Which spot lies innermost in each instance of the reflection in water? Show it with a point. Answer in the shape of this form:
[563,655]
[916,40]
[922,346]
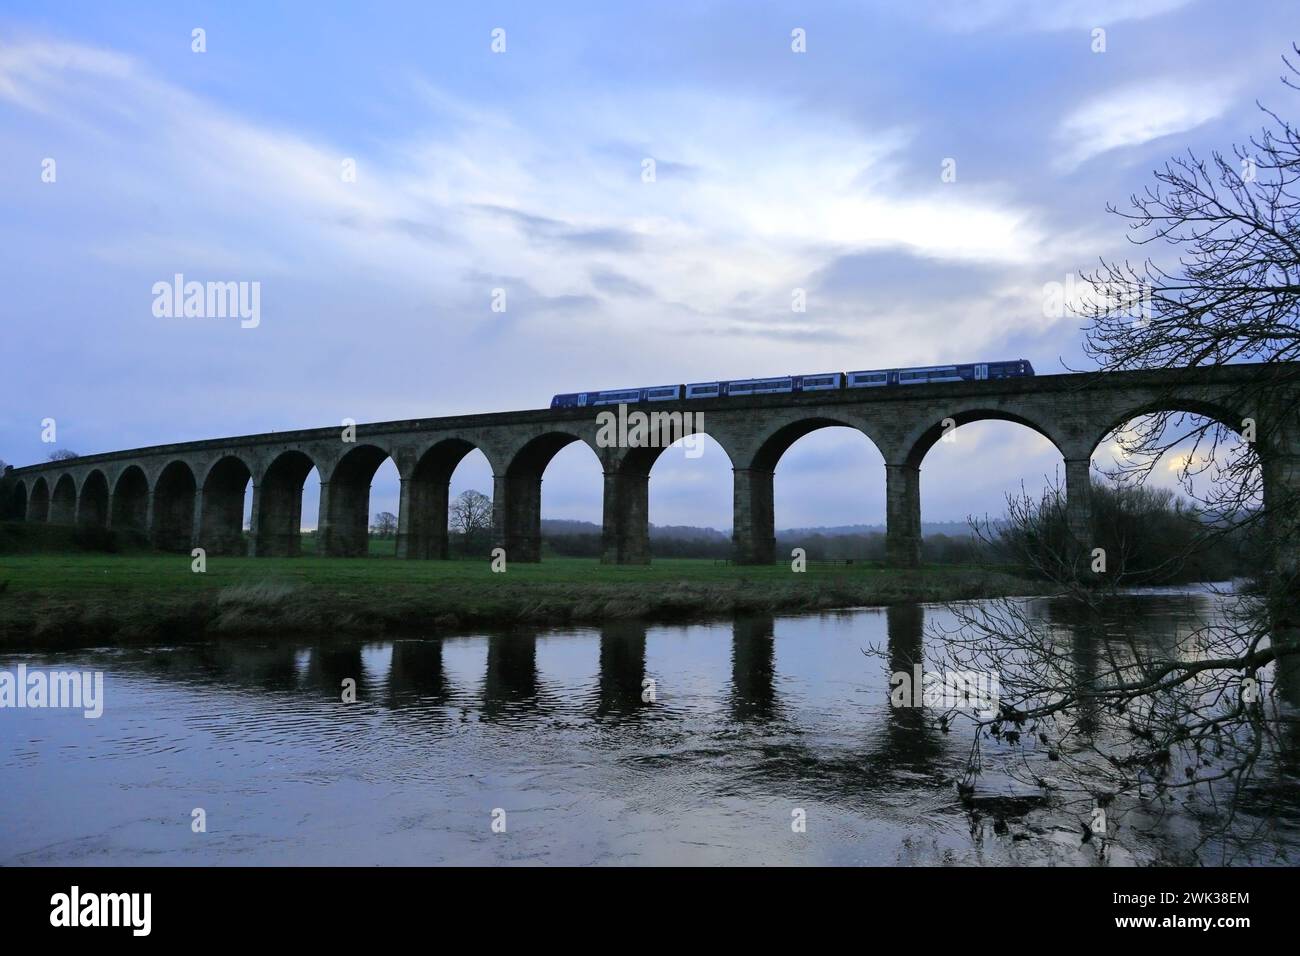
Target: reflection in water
[329,667]
[1085,630]
[256,668]
[416,674]
[622,670]
[748,721]
[510,683]
[911,742]
[753,669]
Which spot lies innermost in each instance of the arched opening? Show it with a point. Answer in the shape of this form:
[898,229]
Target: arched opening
[92,505]
[385,507]
[1188,446]
[131,501]
[1177,496]
[522,486]
[828,492]
[571,506]
[221,523]
[903,479]
[63,501]
[344,530]
[38,506]
[432,498]
[15,505]
[945,430]
[970,471]
[279,510]
[173,508]
[469,529]
[686,512]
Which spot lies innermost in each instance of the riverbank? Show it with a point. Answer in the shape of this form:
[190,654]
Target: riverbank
[71,600]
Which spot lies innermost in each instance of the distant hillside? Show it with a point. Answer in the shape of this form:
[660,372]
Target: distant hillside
[563,527]
[683,532]
[954,529]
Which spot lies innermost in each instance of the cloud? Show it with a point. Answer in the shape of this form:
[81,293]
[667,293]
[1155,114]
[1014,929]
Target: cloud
[1035,15]
[543,229]
[618,285]
[33,74]
[756,192]
[1138,114]
[633,155]
[803,332]
[377,292]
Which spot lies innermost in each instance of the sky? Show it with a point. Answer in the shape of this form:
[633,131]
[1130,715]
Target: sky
[381,171]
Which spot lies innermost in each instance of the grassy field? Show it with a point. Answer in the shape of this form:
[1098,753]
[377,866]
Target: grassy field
[69,599]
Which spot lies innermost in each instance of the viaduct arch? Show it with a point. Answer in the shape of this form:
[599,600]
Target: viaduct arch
[191,495]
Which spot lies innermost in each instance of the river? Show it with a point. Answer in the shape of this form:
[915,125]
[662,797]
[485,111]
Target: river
[758,741]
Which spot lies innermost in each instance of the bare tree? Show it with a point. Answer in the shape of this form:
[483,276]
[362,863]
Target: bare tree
[385,525]
[1127,725]
[471,517]
[62,454]
[1230,292]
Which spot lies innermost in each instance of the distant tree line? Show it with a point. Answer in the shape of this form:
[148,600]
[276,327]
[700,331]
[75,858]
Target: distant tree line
[936,548]
[1150,535]
[1147,535]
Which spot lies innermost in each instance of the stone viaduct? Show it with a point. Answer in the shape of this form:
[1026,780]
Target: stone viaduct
[192,494]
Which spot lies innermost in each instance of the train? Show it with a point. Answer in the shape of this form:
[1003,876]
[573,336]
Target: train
[798,384]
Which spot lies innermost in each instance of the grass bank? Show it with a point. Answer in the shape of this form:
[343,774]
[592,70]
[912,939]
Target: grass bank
[78,599]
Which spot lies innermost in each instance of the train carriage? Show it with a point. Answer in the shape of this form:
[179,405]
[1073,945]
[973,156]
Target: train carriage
[624,396]
[761,386]
[798,384]
[825,382]
[705,390]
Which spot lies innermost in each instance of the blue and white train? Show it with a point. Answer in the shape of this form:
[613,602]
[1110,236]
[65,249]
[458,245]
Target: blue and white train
[797,384]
